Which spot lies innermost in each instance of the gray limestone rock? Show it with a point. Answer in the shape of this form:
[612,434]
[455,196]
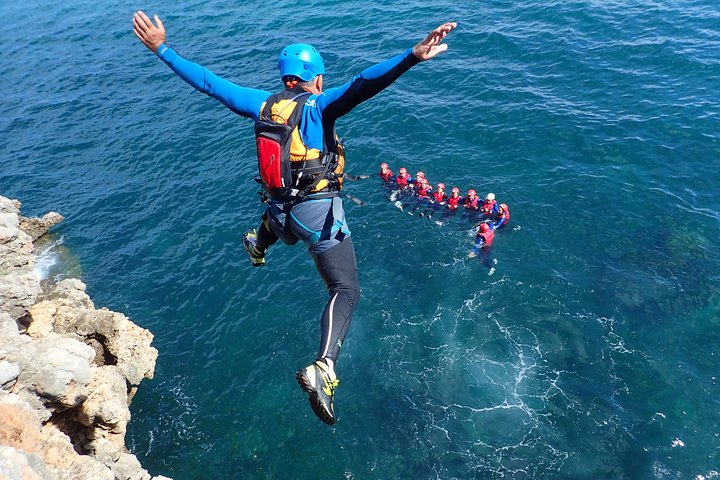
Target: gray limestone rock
[9,372]
[128,468]
[68,310]
[69,293]
[19,287]
[58,369]
[17,465]
[67,377]
[106,404]
[18,292]
[9,334]
[37,227]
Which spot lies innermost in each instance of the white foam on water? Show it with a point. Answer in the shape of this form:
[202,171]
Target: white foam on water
[47,258]
[491,413]
[710,474]
[677,443]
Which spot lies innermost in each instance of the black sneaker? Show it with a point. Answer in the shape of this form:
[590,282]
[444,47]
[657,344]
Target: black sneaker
[249,241]
[320,383]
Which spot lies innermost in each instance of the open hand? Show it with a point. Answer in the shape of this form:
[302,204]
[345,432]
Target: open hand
[431,46]
[150,35]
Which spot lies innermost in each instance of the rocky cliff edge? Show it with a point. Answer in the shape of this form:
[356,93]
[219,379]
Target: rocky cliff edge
[68,371]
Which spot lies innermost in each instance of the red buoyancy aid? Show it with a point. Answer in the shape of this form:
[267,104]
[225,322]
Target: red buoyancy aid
[453,202]
[487,237]
[440,197]
[471,203]
[424,191]
[402,181]
[488,206]
[505,214]
[386,176]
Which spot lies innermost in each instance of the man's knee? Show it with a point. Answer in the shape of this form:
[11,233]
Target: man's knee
[354,295]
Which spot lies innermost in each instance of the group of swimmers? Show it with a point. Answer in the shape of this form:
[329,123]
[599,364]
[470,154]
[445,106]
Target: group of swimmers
[418,195]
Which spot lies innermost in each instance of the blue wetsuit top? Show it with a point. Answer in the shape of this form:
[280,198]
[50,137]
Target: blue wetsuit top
[478,245]
[317,127]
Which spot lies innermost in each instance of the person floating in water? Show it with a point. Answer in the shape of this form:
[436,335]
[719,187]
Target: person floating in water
[316,217]
[403,179]
[437,200]
[489,206]
[471,207]
[502,217]
[483,247]
[404,188]
[385,173]
[453,201]
[471,201]
[422,192]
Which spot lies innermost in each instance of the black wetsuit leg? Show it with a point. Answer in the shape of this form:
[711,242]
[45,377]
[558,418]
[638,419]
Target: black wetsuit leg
[447,213]
[338,269]
[265,236]
[486,257]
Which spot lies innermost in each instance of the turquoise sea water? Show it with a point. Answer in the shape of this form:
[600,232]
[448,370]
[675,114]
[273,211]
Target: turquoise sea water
[591,353]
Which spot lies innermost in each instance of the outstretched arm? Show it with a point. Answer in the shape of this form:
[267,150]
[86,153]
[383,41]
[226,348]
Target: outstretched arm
[337,102]
[241,100]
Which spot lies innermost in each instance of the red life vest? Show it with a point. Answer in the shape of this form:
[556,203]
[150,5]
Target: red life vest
[439,197]
[487,237]
[386,176]
[471,203]
[488,206]
[453,202]
[402,181]
[505,215]
[424,191]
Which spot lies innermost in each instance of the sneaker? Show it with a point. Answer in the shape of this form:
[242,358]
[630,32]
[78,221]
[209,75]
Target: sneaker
[320,383]
[491,271]
[249,241]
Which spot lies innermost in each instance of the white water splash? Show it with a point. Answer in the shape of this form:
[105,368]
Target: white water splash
[47,258]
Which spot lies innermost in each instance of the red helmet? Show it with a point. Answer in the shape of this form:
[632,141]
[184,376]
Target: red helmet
[472,193]
[441,186]
[403,171]
[424,181]
[456,190]
[484,227]
[503,206]
[420,175]
[384,165]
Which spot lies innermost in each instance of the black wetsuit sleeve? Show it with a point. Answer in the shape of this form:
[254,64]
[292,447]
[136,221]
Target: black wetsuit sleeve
[341,100]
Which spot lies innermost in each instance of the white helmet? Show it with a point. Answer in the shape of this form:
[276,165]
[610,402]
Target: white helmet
[490,196]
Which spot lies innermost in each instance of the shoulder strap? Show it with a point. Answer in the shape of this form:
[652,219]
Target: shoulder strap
[294,118]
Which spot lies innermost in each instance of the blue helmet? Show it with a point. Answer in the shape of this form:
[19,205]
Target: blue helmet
[301,60]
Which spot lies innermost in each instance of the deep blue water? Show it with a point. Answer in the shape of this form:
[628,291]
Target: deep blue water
[591,353]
